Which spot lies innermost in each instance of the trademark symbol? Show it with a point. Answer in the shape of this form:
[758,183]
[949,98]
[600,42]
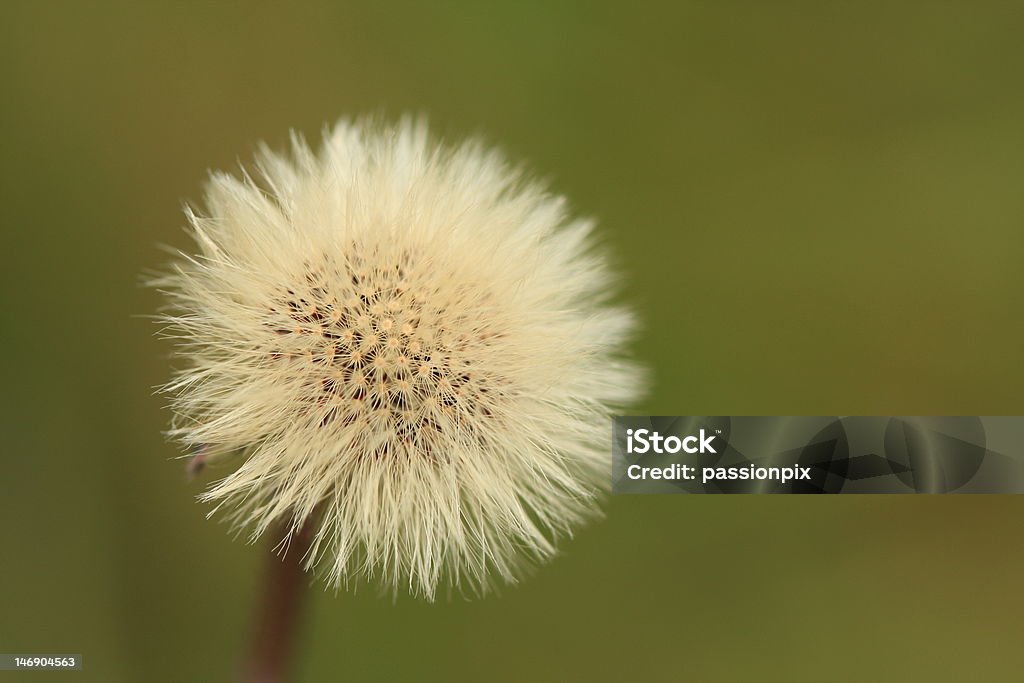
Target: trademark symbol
[718,431]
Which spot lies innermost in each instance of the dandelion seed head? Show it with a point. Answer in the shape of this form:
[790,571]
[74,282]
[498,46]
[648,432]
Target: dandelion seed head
[410,346]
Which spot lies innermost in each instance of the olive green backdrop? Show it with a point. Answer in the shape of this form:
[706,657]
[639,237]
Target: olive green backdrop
[818,208]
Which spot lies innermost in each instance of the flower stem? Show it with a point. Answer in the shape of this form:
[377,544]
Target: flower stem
[274,635]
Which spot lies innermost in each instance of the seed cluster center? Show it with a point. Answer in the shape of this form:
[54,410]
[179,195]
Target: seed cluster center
[377,349]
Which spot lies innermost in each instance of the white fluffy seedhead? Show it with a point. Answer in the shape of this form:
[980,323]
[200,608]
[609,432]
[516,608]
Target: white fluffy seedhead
[410,348]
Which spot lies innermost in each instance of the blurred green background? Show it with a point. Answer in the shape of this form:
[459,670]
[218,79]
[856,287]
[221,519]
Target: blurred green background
[818,208]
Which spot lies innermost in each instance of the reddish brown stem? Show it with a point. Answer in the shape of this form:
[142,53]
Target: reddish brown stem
[277,621]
